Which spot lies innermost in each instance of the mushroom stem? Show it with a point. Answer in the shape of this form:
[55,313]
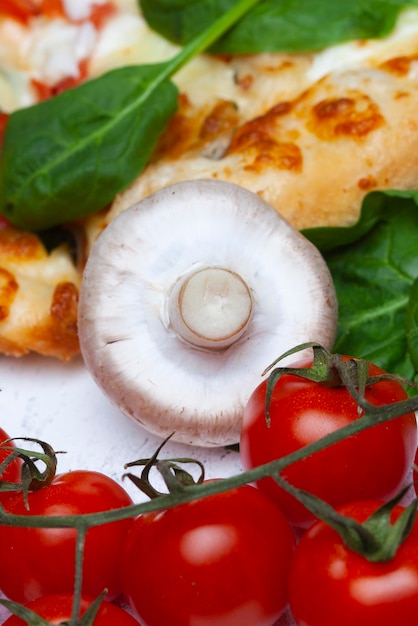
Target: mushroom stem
[210,307]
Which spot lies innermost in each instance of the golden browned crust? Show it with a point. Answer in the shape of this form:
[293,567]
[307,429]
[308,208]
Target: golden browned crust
[313,157]
[38,297]
[311,142]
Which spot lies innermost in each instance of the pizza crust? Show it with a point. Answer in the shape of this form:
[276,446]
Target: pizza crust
[38,297]
[313,157]
[310,133]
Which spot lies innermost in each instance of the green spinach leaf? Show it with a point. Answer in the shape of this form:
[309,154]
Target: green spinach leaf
[376,281]
[374,205]
[273,26]
[67,157]
[412,324]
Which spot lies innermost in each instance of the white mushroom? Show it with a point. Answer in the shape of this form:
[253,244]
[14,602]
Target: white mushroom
[187,296]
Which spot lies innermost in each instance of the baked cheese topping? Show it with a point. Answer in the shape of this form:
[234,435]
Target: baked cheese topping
[51,50]
[38,297]
[310,133]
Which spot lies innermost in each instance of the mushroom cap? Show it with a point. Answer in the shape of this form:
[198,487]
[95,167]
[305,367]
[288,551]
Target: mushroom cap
[126,336]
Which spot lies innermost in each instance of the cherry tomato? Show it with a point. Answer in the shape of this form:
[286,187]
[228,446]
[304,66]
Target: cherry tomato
[329,584]
[57,609]
[40,561]
[219,560]
[373,464]
[11,473]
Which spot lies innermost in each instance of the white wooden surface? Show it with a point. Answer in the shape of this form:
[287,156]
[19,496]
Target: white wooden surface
[60,403]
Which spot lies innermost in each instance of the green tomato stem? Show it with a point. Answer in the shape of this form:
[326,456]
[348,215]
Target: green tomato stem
[193,492]
[78,582]
[353,374]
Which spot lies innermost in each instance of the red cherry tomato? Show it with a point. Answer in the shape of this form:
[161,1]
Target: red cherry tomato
[219,560]
[331,585]
[11,473]
[373,464]
[40,561]
[57,609]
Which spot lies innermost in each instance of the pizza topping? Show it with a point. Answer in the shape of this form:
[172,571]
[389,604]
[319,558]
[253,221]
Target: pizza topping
[184,297]
[223,117]
[40,286]
[398,65]
[93,10]
[267,143]
[8,289]
[276,145]
[126,130]
[19,245]
[21,10]
[47,50]
[271,122]
[355,116]
[64,304]
[290,26]
[45,91]
[57,48]
[76,10]
[367,184]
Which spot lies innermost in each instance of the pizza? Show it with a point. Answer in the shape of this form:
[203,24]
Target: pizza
[310,133]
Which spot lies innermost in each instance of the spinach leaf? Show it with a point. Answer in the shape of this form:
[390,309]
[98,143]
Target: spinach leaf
[373,208]
[412,324]
[68,157]
[376,282]
[273,26]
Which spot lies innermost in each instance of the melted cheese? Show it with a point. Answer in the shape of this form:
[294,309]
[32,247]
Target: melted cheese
[80,9]
[56,48]
[370,52]
[38,297]
[310,133]
[51,50]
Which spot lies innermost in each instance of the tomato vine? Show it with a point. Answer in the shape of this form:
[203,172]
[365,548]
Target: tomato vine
[182,489]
